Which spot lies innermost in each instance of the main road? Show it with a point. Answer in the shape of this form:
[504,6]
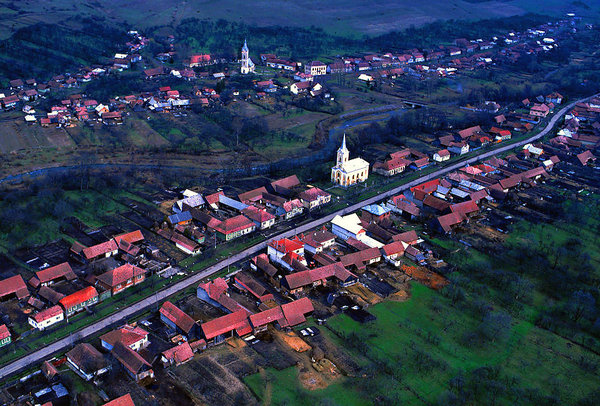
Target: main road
[46,352]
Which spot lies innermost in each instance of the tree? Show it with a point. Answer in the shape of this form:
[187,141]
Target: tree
[495,326]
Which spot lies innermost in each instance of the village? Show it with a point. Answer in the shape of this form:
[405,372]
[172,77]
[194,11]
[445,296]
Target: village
[272,308]
[277,75]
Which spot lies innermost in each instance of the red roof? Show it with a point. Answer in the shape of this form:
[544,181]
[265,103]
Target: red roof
[295,311]
[131,360]
[286,245]
[4,332]
[215,288]
[78,297]
[396,247]
[131,237]
[214,198]
[177,316]
[443,152]
[586,156]
[124,400]
[308,277]
[434,202]
[449,220]
[464,208]
[47,314]
[234,224]
[237,320]
[409,237]
[313,194]
[14,284]
[127,335]
[120,275]
[256,214]
[287,183]
[267,316]
[179,353]
[100,249]
[252,194]
[55,272]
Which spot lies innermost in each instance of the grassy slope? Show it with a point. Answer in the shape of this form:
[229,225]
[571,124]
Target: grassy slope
[336,16]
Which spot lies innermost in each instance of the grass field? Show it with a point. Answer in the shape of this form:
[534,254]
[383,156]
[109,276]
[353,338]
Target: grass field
[421,347]
[337,17]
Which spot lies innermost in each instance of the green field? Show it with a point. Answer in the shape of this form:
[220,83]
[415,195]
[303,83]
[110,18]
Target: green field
[417,350]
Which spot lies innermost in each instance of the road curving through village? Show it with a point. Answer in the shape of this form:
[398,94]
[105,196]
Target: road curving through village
[123,314]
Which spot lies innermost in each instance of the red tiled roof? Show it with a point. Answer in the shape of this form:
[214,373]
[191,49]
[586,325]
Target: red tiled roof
[304,278]
[359,258]
[287,183]
[120,275]
[132,237]
[14,284]
[177,316]
[586,156]
[286,245]
[47,314]
[215,288]
[100,249]
[267,316]
[313,194]
[124,400]
[434,202]
[4,332]
[465,208]
[466,133]
[213,198]
[256,214]
[233,224]
[396,247]
[409,237]
[180,353]
[244,197]
[253,286]
[449,220]
[78,297]
[127,335]
[233,321]
[295,311]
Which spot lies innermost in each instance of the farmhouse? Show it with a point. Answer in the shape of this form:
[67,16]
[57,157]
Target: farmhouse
[315,68]
[5,336]
[87,361]
[103,250]
[13,286]
[295,283]
[180,354]
[316,241]
[124,400]
[133,363]
[234,227]
[262,218]
[218,330]
[441,155]
[47,317]
[135,338]
[314,197]
[121,278]
[79,300]
[176,319]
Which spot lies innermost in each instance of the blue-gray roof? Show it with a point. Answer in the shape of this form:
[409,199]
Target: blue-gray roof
[179,217]
[376,209]
[235,204]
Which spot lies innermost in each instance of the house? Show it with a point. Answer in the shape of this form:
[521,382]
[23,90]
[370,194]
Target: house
[554,97]
[375,213]
[176,319]
[262,218]
[180,354]
[539,110]
[393,251]
[47,317]
[79,300]
[86,361]
[261,320]
[290,209]
[414,254]
[441,155]
[300,87]
[285,185]
[5,336]
[315,68]
[194,201]
[361,259]
[103,250]
[249,283]
[316,241]
[348,172]
[124,400]
[314,198]
[133,363]
[459,148]
[294,284]
[234,227]
[15,285]
[125,242]
[261,262]
[218,330]
[118,279]
[135,338]
[406,208]
[286,251]
[348,227]
[586,157]
[391,166]
[448,221]
[501,135]
[182,218]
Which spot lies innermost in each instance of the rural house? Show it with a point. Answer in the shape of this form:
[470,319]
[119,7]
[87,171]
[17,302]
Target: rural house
[86,361]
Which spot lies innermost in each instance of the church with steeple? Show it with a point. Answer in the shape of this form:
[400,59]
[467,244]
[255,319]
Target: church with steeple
[247,64]
[346,171]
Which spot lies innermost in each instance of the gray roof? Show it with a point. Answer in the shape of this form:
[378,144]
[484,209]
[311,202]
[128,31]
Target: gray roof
[227,201]
[192,201]
[179,217]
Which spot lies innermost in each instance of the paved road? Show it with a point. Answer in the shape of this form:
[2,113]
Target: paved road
[46,352]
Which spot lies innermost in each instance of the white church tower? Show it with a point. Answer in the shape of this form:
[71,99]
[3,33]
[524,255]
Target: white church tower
[348,172]
[247,64]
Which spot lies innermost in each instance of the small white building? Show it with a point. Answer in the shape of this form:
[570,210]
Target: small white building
[47,317]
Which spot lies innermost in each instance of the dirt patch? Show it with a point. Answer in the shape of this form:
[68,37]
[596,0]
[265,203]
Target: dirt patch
[425,276]
[400,296]
[319,375]
[364,293]
[294,342]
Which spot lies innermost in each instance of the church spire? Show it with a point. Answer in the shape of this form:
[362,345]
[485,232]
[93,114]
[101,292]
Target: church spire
[344,142]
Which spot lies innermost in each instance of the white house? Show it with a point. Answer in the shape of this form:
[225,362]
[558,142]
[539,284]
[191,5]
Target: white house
[47,317]
[442,155]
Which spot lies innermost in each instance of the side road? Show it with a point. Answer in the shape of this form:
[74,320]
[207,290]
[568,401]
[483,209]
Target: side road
[46,352]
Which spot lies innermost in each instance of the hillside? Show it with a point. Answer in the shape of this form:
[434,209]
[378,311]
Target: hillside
[335,16]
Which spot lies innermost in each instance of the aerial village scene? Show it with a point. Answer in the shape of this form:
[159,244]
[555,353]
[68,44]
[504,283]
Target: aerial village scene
[416,225]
